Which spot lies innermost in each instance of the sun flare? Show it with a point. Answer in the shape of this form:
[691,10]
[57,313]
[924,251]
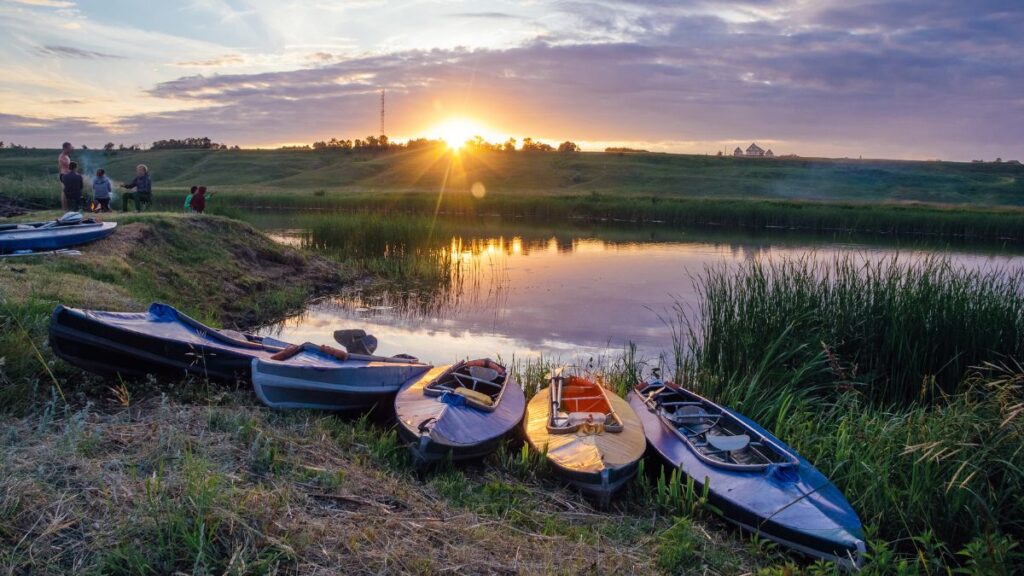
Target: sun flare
[456,131]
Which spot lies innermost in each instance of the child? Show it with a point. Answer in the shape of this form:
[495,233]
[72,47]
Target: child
[73,187]
[143,194]
[188,199]
[101,187]
[199,199]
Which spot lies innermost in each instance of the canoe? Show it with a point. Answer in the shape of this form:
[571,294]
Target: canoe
[52,235]
[754,479]
[161,340]
[326,378]
[459,412]
[591,437]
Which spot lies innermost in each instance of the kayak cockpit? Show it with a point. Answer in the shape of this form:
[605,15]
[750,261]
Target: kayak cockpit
[714,434]
[477,383]
[579,404]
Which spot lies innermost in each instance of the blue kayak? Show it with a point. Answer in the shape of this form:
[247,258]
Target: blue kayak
[161,340]
[52,235]
[755,480]
[459,412]
[327,378]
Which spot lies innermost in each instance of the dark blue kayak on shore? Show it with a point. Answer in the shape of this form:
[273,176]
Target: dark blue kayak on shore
[161,340]
[753,478]
[52,235]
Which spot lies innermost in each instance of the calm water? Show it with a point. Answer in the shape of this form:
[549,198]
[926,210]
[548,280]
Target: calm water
[508,289]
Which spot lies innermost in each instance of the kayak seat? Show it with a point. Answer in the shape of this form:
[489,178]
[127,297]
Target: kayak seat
[475,396]
[581,417]
[694,418]
[728,443]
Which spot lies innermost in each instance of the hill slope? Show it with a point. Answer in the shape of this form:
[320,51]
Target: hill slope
[669,175]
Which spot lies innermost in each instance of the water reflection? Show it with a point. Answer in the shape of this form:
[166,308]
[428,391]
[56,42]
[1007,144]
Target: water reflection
[494,289]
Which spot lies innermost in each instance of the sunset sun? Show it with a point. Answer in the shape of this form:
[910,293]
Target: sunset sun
[456,131]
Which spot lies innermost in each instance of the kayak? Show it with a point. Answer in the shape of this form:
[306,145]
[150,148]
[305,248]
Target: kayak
[591,437]
[753,478]
[161,340]
[327,378]
[459,412]
[52,235]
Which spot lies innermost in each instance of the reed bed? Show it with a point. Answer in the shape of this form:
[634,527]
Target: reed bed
[899,380]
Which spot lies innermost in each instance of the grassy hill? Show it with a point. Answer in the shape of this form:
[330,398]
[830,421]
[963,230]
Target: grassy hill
[665,175]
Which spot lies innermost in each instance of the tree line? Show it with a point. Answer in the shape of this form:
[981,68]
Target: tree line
[382,143]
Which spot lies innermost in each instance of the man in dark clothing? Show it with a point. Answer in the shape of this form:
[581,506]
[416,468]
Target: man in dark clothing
[73,187]
[143,194]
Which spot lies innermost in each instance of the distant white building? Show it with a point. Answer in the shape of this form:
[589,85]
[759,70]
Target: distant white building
[753,151]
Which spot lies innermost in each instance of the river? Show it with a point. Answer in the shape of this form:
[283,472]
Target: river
[507,289]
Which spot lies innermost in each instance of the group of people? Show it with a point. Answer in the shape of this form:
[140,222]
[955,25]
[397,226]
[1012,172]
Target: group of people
[73,197]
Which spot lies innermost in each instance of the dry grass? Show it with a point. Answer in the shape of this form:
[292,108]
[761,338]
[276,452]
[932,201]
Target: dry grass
[117,489]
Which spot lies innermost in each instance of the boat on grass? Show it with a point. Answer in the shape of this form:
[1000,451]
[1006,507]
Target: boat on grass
[753,479]
[68,230]
[459,412]
[329,378]
[590,436]
[161,340]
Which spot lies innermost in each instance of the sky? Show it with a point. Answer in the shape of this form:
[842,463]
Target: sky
[936,79]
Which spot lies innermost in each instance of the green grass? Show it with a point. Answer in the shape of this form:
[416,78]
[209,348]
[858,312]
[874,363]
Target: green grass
[908,199]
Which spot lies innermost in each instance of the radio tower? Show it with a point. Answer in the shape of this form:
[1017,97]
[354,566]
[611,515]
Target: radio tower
[382,112]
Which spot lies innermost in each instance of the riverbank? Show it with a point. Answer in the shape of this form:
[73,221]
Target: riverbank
[117,477]
[205,479]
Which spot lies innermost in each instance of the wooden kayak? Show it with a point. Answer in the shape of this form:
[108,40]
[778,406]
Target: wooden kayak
[590,436]
[161,340]
[459,412]
[753,478]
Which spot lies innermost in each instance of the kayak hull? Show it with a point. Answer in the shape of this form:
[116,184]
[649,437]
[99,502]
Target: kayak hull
[54,238]
[797,508]
[596,464]
[457,432]
[318,381]
[161,341]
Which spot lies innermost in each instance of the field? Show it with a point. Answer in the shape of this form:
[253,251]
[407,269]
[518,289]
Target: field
[931,199]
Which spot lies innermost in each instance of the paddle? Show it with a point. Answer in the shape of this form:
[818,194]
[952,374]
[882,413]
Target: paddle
[356,340]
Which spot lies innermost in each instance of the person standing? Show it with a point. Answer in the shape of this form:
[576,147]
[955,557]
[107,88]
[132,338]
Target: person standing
[73,187]
[63,167]
[199,200]
[143,194]
[101,188]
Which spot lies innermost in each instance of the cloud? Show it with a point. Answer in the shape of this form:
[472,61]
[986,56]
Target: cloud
[890,78]
[486,15]
[226,60]
[45,3]
[58,51]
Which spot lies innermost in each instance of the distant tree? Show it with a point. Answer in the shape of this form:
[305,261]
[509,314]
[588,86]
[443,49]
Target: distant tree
[84,147]
[121,146]
[999,160]
[235,147]
[510,145]
[568,146]
[108,147]
[319,145]
[1,143]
